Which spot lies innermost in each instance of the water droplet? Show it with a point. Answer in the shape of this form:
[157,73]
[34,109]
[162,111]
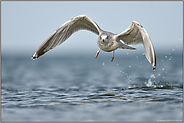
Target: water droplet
[103,63]
[162,68]
[169,59]
[127,53]
[161,60]
[173,50]
[165,56]
[163,77]
[158,74]
[129,66]
[152,76]
[137,56]
[161,86]
[143,54]
[117,64]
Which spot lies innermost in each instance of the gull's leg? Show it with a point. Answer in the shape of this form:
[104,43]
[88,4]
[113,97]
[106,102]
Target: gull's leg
[97,53]
[112,56]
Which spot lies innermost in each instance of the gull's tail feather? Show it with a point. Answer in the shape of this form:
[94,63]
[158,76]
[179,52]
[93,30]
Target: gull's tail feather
[127,47]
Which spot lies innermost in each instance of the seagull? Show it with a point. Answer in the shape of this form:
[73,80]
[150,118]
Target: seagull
[107,41]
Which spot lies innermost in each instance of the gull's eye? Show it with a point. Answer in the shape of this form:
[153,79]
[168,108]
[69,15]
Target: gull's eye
[107,37]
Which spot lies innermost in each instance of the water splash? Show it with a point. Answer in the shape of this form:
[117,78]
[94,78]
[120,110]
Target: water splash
[150,83]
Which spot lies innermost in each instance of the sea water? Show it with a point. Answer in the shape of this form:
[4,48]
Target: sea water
[87,89]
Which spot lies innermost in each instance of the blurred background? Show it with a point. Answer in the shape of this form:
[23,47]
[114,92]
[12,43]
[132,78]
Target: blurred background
[25,25]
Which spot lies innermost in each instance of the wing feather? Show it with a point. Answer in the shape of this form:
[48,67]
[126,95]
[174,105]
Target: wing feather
[65,31]
[136,34]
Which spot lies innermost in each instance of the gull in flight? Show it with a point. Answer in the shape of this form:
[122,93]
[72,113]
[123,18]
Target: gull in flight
[107,41]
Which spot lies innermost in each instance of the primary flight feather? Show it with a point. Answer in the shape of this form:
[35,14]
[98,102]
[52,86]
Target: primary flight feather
[107,41]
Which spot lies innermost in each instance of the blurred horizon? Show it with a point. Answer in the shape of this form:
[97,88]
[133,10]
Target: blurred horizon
[26,24]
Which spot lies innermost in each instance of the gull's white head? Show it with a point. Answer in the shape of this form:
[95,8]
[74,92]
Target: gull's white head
[104,38]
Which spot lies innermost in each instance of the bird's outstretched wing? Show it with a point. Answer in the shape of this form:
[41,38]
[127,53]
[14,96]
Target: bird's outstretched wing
[136,34]
[64,32]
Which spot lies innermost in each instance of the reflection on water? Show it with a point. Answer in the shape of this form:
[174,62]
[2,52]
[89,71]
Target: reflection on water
[89,89]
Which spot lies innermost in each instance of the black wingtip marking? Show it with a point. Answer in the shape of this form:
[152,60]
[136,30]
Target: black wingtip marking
[154,68]
[34,56]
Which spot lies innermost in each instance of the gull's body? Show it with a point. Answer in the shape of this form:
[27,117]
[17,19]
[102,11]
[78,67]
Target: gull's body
[107,41]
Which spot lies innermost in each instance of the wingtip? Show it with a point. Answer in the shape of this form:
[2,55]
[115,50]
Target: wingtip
[154,62]
[154,67]
[34,56]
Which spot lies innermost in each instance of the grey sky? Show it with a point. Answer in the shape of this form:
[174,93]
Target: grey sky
[25,25]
